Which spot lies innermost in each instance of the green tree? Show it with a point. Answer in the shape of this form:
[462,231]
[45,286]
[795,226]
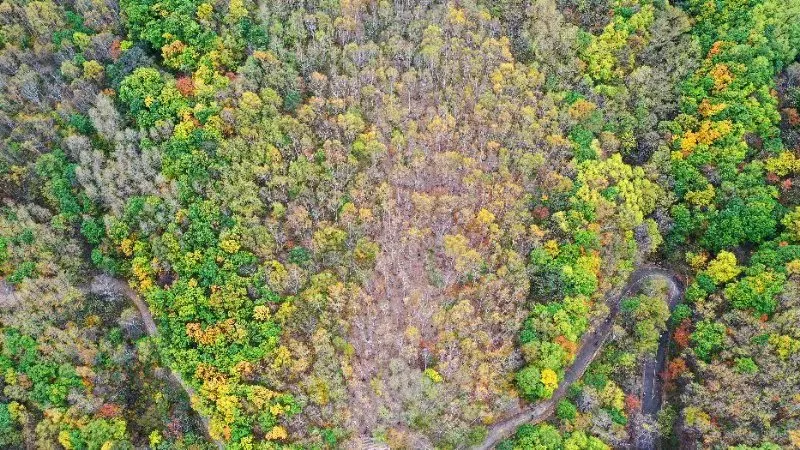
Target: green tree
[707,339]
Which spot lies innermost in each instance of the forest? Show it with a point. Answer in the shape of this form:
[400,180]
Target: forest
[399,224]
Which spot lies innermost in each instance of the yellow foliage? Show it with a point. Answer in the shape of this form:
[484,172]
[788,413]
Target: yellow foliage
[183,129]
[794,438]
[174,50]
[723,268]
[694,416]
[265,56]
[281,358]
[722,76]
[793,267]
[276,433]
[433,375]
[701,198]
[92,69]
[204,11]
[250,101]
[549,379]
[285,311]
[65,440]
[236,11]
[126,247]
[10,377]
[456,15]
[467,260]
[581,109]
[261,312]
[229,246]
[784,345]
[792,223]
[485,217]
[709,132]
[214,124]
[696,260]
[277,409]
[706,109]
[412,334]
[17,411]
[260,396]
[218,430]
[155,438]
[783,164]
[318,390]
[612,396]
[590,263]
[551,247]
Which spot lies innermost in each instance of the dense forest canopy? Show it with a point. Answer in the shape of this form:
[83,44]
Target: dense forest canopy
[360,224]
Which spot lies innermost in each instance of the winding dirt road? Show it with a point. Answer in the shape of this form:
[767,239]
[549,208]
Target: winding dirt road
[104,284]
[653,367]
[591,344]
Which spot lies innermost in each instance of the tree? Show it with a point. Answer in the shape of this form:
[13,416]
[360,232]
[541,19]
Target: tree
[757,292]
[723,268]
[707,339]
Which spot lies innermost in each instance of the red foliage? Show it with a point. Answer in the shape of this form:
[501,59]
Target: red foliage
[175,428]
[186,86]
[675,368]
[109,410]
[569,346]
[787,184]
[541,212]
[632,403]
[772,178]
[115,50]
[715,49]
[682,333]
[792,116]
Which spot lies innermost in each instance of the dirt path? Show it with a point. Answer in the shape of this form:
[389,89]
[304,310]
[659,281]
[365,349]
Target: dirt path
[652,384]
[103,283]
[591,344]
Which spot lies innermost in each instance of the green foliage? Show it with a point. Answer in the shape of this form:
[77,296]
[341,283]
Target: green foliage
[27,269]
[149,97]
[646,317]
[680,312]
[537,436]
[81,123]
[746,366]
[566,410]
[160,24]
[547,437]
[97,434]
[9,432]
[757,292]
[93,230]
[277,144]
[59,179]
[51,382]
[707,339]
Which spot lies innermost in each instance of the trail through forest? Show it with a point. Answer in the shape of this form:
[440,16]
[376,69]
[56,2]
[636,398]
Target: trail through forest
[652,383]
[591,345]
[104,283]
